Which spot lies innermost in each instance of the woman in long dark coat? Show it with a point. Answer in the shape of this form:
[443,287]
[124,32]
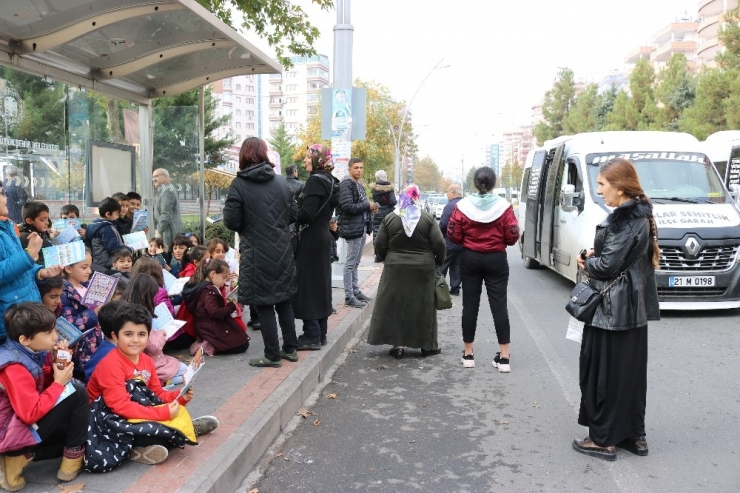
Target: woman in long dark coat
[320,195]
[411,245]
[384,196]
[614,349]
[260,208]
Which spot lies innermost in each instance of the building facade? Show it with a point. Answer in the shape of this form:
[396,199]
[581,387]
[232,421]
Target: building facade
[710,20]
[237,98]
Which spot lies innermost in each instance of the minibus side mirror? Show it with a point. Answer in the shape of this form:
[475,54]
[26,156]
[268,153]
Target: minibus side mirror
[570,200]
[735,191]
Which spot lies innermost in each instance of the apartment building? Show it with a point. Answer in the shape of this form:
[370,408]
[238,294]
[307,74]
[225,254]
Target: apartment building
[710,19]
[516,145]
[238,98]
[494,157]
[295,94]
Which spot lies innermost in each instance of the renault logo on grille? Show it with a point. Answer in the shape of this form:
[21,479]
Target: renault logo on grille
[692,246]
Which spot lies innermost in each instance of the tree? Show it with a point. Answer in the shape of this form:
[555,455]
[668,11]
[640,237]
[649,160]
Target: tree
[604,106]
[427,175]
[468,185]
[675,90]
[213,180]
[729,36]
[285,26]
[714,89]
[511,175]
[558,102]
[176,133]
[582,117]
[623,116]
[282,142]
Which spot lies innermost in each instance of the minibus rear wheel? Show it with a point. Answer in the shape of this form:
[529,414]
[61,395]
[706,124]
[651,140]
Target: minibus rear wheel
[530,263]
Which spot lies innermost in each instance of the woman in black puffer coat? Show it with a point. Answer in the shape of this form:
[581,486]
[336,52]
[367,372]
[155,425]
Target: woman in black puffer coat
[384,196]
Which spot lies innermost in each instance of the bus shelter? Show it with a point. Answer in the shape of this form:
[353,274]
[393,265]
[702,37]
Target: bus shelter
[77,82]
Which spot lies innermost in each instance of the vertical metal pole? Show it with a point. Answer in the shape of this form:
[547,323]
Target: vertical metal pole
[202,164]
[146,159]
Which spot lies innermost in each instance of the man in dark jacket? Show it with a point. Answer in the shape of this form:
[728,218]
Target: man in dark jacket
[452,261]
[354,225]
[294,184]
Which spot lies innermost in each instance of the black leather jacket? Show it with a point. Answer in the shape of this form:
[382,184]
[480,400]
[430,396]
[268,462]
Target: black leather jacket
[294,185]
[623,241]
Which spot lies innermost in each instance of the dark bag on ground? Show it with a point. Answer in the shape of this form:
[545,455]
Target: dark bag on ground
[442,297]
[583,302]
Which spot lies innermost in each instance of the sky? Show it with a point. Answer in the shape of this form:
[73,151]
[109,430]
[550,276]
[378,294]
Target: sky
[502,57]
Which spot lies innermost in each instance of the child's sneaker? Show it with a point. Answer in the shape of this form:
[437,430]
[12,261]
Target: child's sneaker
[153,454]
[468,361]
[204,425]
[501,363]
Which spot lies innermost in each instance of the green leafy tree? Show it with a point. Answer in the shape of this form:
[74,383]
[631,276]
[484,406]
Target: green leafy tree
[176,133]
[511,175]
[468,185]
[282,142]
[642,97]
[557,104]
[675,90]
[714,94]
[623,116]
[604,106]
[729,36]
[427,175]
[285,26]
[582,117]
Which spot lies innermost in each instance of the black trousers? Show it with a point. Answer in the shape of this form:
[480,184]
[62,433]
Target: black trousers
[452,262]
[315,329]
[493,270]
[266,315]
[64,426]
[253,314]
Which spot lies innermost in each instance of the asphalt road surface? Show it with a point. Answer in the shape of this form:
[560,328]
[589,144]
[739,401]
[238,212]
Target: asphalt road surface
[428,424]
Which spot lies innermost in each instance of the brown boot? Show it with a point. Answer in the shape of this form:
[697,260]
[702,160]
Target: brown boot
[72,462]
[11,468]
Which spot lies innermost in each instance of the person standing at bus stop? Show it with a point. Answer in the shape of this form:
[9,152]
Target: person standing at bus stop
[614,347]
[452,261]
[166,207]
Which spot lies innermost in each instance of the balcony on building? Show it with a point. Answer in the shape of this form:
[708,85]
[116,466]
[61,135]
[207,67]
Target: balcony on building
[634,56]
[708,49]
[276,78]
[276,117]
[276,102]
[712,7]
[663,52]
[276,90]
[675,31]
[709,26]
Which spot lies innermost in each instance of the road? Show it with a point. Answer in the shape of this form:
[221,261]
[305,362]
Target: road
[430,425]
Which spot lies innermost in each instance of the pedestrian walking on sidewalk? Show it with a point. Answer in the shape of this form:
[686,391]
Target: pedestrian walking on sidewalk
[260,207]
[614,347]
[452,261]
[411,245]
[354,226]
[484,224]
[320,195]
[385,198]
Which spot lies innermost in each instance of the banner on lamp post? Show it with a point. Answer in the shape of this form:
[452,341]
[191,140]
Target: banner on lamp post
[341,130]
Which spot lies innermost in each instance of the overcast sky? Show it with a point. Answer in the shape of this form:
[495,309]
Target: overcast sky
[503,56]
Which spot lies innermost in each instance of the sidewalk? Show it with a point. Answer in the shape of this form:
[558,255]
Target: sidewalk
[252,404]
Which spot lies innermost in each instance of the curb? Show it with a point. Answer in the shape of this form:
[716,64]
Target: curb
[234,460]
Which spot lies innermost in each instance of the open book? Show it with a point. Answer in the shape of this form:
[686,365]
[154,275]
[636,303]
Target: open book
[69,332]
[137,241]
[172,284]
[196,365]
[64,255]
[67,235]
[163,320]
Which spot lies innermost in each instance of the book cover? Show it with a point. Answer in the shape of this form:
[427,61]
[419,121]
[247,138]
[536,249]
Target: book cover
[99,290]
[61,224]
[169,279]
[137,240]
[66,254]
[163,320]
[233,294]
[67,235]
[67,331]
[196,365]
[140,219]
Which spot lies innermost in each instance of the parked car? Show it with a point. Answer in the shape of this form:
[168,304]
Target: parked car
[429,204]
[439,206]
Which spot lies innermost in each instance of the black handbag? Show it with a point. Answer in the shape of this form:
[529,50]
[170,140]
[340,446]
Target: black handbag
[442,298]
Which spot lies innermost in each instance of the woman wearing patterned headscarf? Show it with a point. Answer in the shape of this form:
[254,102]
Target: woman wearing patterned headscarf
[316,203]
[411,245]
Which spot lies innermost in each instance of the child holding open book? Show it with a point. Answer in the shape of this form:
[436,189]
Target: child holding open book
[141,290]
[151,267]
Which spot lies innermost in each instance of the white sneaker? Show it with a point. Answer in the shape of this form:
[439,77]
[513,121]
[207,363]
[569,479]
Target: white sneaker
[501,363]
[468,361]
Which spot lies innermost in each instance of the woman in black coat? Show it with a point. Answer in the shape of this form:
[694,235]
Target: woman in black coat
[260,207]
[384,196]
[614,349]
[316,203]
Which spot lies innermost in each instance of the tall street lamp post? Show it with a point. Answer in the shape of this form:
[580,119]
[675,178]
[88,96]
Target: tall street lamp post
[397,130]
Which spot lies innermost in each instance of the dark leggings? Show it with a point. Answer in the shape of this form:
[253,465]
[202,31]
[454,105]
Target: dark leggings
[64,426]
[493,269]
[266,315]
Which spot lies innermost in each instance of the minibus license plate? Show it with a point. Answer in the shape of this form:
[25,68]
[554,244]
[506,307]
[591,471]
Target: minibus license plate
[691,281]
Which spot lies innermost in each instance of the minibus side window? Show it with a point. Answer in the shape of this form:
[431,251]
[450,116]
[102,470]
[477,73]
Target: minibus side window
[571,176]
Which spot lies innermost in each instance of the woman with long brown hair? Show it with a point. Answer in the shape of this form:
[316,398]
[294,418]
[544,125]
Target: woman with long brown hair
[613,359]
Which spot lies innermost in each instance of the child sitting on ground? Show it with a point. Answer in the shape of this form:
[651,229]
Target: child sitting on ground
[34,425]
[142,291]
[70,211]
[122,260]
[36,220]
[102,234]
[132,415]
[123,224]
[217,330]
[217,248]
[105,317]
[151,267]
[157,251]
[51,294]
[192,258]
[85,319]
[179,247]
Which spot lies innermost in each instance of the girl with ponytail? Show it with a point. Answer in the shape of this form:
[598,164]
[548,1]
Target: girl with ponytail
[613,361]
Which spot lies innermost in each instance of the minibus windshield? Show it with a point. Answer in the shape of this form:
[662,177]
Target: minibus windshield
[668,177]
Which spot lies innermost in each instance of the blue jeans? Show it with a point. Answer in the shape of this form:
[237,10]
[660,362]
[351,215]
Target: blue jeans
[354,253]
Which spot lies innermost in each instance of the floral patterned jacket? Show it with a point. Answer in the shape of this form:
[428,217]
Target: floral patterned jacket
[86,321]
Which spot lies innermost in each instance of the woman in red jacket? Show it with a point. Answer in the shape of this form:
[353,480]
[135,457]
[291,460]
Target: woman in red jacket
[484,224]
